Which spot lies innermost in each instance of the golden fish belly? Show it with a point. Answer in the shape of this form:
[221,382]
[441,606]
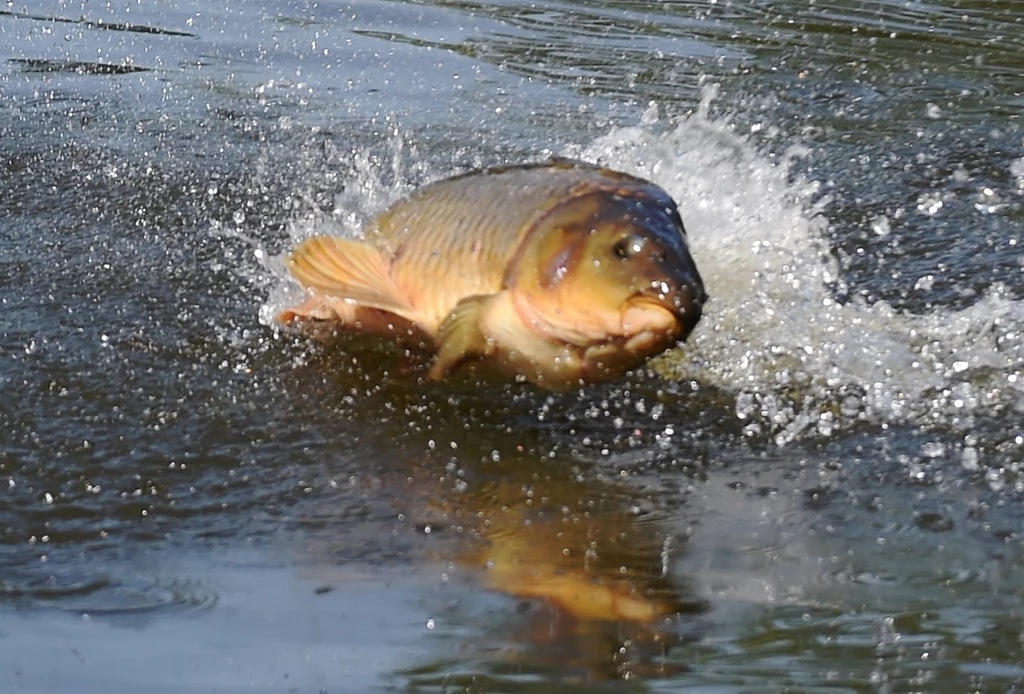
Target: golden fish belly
[517,346]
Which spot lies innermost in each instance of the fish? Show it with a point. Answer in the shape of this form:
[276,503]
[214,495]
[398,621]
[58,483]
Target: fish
[562,273]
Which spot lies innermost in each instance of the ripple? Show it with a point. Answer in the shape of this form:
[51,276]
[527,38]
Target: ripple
[100,25]
[179,594]
[103,594]
[78,67]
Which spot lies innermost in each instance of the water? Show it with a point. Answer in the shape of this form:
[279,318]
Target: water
[821,492]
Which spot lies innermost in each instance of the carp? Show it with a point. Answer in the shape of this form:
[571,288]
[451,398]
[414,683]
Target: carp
[562,273]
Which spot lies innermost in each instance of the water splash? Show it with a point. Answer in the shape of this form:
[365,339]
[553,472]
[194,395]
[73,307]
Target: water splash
[369,181]
[796,360]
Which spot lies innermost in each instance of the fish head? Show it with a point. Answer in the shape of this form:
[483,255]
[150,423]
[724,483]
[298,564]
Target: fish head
[618,260]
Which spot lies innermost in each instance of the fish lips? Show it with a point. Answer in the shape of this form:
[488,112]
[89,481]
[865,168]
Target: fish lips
[675,283]
[666,310]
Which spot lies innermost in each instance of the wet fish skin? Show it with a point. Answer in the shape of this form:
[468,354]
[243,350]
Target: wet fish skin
[562,273]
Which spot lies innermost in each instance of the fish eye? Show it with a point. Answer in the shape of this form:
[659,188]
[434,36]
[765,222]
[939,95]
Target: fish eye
[628,246]
[622,249]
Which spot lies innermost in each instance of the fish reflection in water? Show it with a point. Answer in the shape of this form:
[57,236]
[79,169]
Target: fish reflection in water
[606,600]
[587,554]
[599,599]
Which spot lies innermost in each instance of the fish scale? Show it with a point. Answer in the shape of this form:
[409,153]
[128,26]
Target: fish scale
[444,221]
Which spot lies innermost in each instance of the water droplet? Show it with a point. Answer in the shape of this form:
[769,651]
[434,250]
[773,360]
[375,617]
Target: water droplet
[880,225]
[969,458]
[995,479]
[925,283]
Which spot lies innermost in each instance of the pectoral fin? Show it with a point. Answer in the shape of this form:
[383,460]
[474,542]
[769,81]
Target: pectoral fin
[461,336]
[349,270]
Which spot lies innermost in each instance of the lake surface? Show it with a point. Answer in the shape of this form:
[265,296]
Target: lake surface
[823,491]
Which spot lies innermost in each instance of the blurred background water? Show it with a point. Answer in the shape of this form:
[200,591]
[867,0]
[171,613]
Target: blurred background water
[821,492]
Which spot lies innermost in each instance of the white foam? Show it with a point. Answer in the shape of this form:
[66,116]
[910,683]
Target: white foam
[796,360]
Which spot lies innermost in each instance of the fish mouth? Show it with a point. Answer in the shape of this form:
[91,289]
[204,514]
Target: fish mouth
[673,316]
[679,290]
